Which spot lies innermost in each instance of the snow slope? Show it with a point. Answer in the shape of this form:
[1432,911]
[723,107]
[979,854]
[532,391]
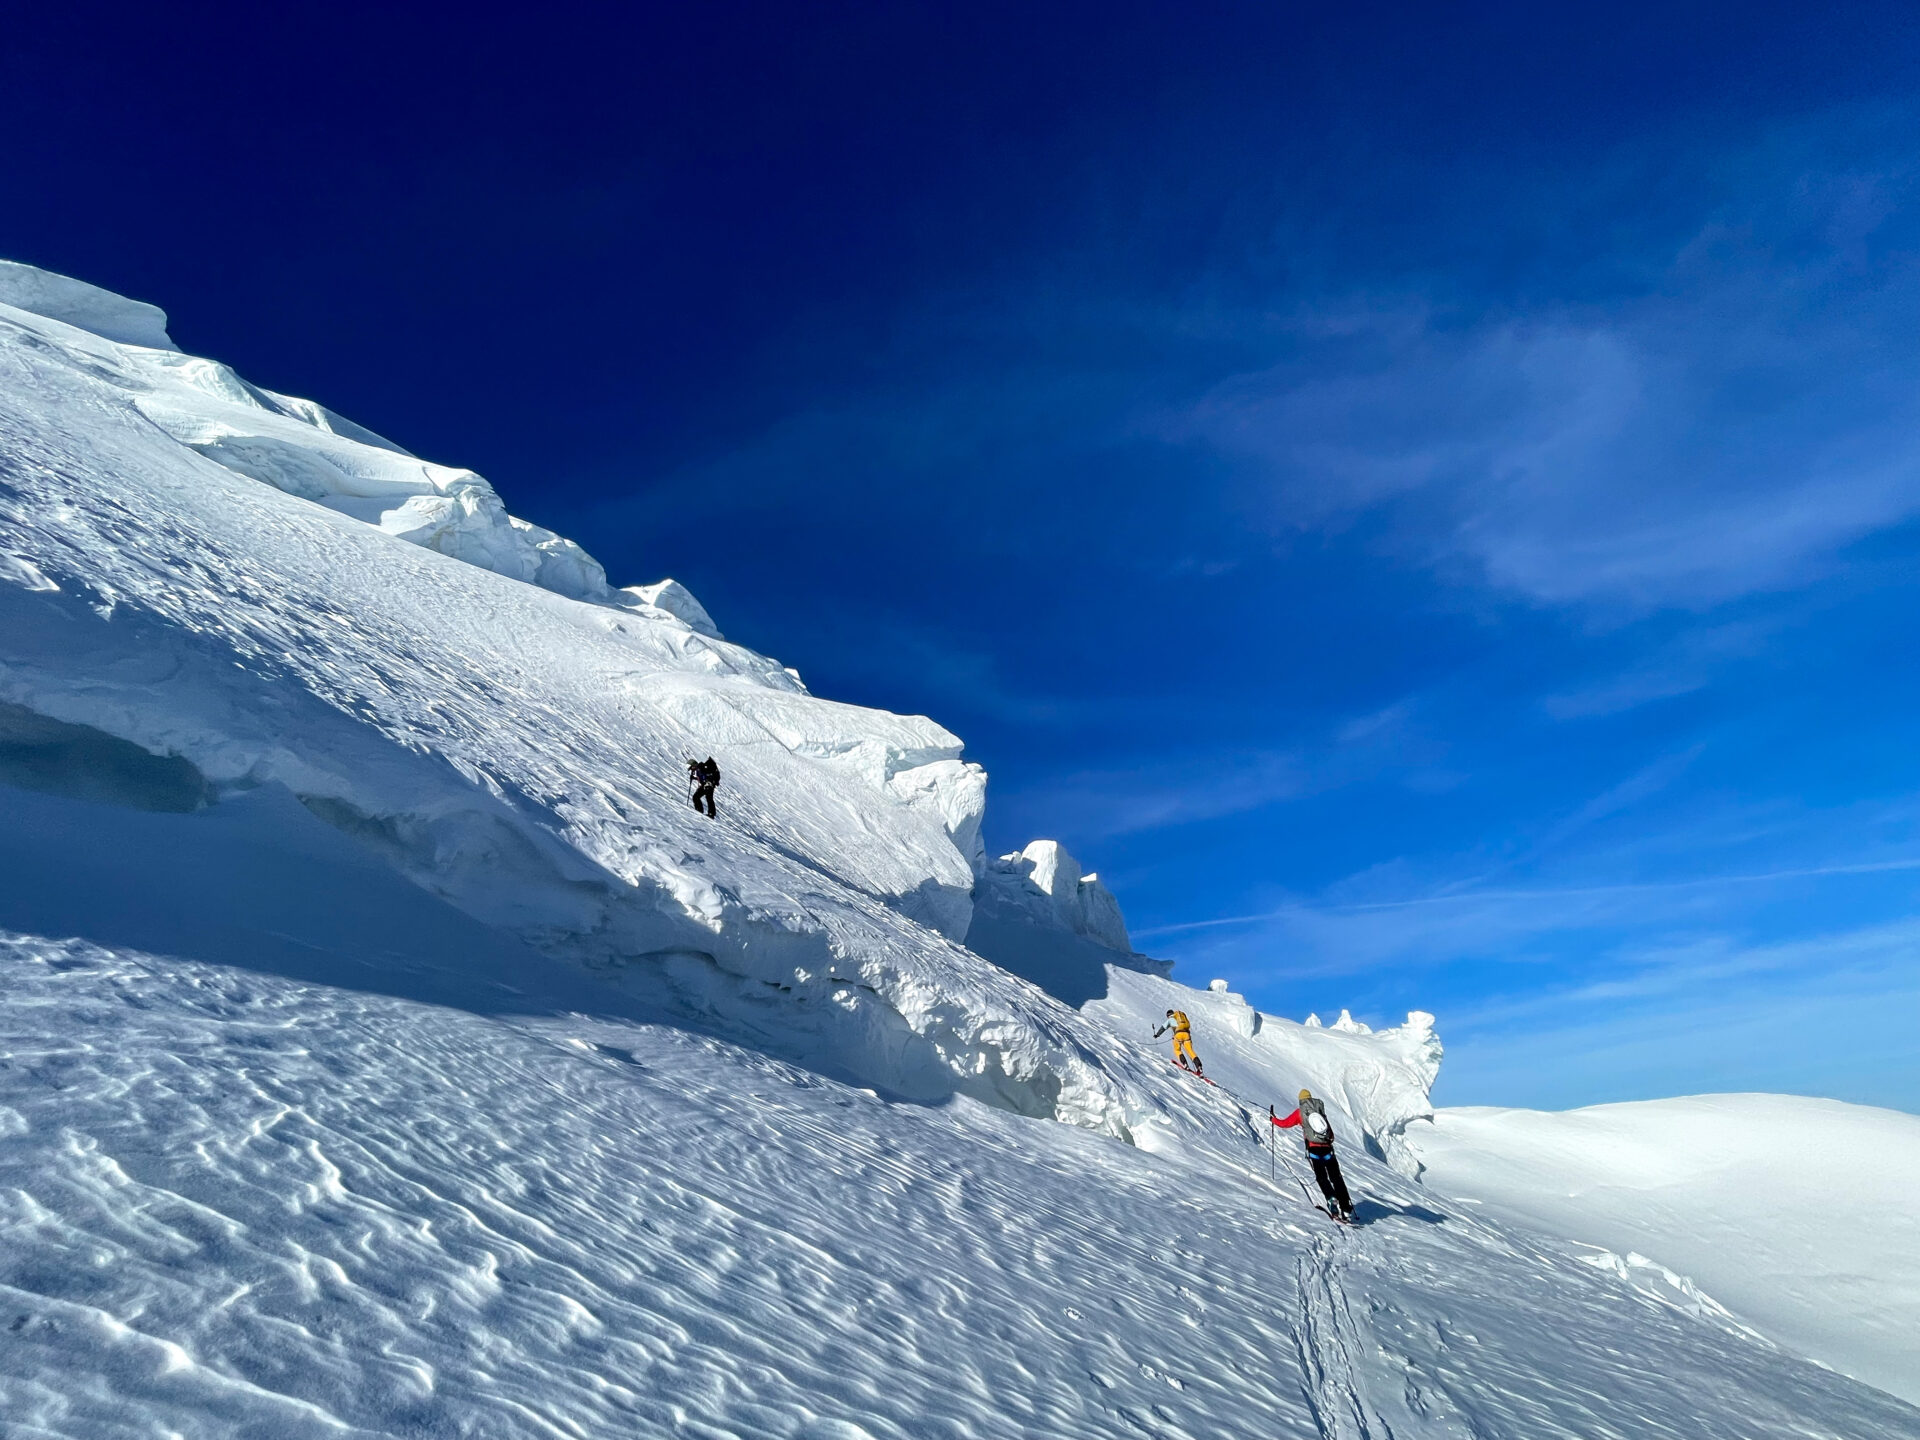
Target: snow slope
[387,1048]
[235,1205]
[1374,1085]
[170,579]
[1799,1215]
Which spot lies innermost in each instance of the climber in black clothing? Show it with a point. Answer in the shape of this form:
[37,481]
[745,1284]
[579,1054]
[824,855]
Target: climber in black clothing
[703,776]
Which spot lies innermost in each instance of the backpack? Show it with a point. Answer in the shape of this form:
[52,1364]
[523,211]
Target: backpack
[1314,1122]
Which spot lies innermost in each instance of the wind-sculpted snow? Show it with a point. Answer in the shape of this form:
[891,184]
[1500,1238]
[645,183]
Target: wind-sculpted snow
[1375,1084]
[513,750]
[418,1062]
[1043,888]
[1037,916]
[74,302]
[236,1206]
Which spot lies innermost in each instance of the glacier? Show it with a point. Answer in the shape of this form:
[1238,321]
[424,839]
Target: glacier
[387,1048]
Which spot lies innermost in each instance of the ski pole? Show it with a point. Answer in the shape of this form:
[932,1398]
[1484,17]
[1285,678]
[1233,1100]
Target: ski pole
[1298,1179]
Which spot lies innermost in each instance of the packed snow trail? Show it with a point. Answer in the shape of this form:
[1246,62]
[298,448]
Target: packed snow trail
[235,1205]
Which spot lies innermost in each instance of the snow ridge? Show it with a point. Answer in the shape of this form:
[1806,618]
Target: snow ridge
[209,571]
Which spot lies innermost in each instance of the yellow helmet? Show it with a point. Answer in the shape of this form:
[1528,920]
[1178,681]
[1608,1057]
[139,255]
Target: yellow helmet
[1306,1094]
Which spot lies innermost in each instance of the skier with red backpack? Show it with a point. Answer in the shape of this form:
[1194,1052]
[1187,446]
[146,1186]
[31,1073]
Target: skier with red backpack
[1317,1131]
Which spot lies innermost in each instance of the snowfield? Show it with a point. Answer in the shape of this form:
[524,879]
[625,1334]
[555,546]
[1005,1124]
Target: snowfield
[236,1205]
[1798,1214]
[388,1049]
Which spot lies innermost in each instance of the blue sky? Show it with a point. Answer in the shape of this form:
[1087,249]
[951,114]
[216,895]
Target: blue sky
[1426,504]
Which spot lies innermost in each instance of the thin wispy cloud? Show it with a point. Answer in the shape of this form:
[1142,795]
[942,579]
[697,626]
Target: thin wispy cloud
[1729,430]
[1568,464]
[1100,805]
[1542,898]
[1677,667]
[1615,799]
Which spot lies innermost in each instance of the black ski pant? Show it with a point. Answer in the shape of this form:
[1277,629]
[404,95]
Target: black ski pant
[704,792]
[1326,1169]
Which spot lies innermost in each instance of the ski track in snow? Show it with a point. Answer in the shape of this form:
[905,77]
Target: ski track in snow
[235,1205]
[1323,1344]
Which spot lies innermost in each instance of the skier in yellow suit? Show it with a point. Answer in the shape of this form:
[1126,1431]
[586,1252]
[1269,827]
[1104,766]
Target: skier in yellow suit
[1182,1040]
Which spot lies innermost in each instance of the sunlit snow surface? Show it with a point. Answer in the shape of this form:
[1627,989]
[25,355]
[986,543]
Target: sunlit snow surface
[234,1205]
[517,752]
[1798,1214]
[446,1075]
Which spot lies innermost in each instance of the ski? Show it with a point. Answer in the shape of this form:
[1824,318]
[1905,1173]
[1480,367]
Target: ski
[1337,1219]
[1195,1074]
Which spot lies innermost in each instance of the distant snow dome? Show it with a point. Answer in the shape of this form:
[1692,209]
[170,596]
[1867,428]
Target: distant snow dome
[83,306]
[1219,987]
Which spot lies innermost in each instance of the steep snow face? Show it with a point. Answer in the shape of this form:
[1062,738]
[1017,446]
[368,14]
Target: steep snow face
[204,570]
[1797,1214]
[1375,1083]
